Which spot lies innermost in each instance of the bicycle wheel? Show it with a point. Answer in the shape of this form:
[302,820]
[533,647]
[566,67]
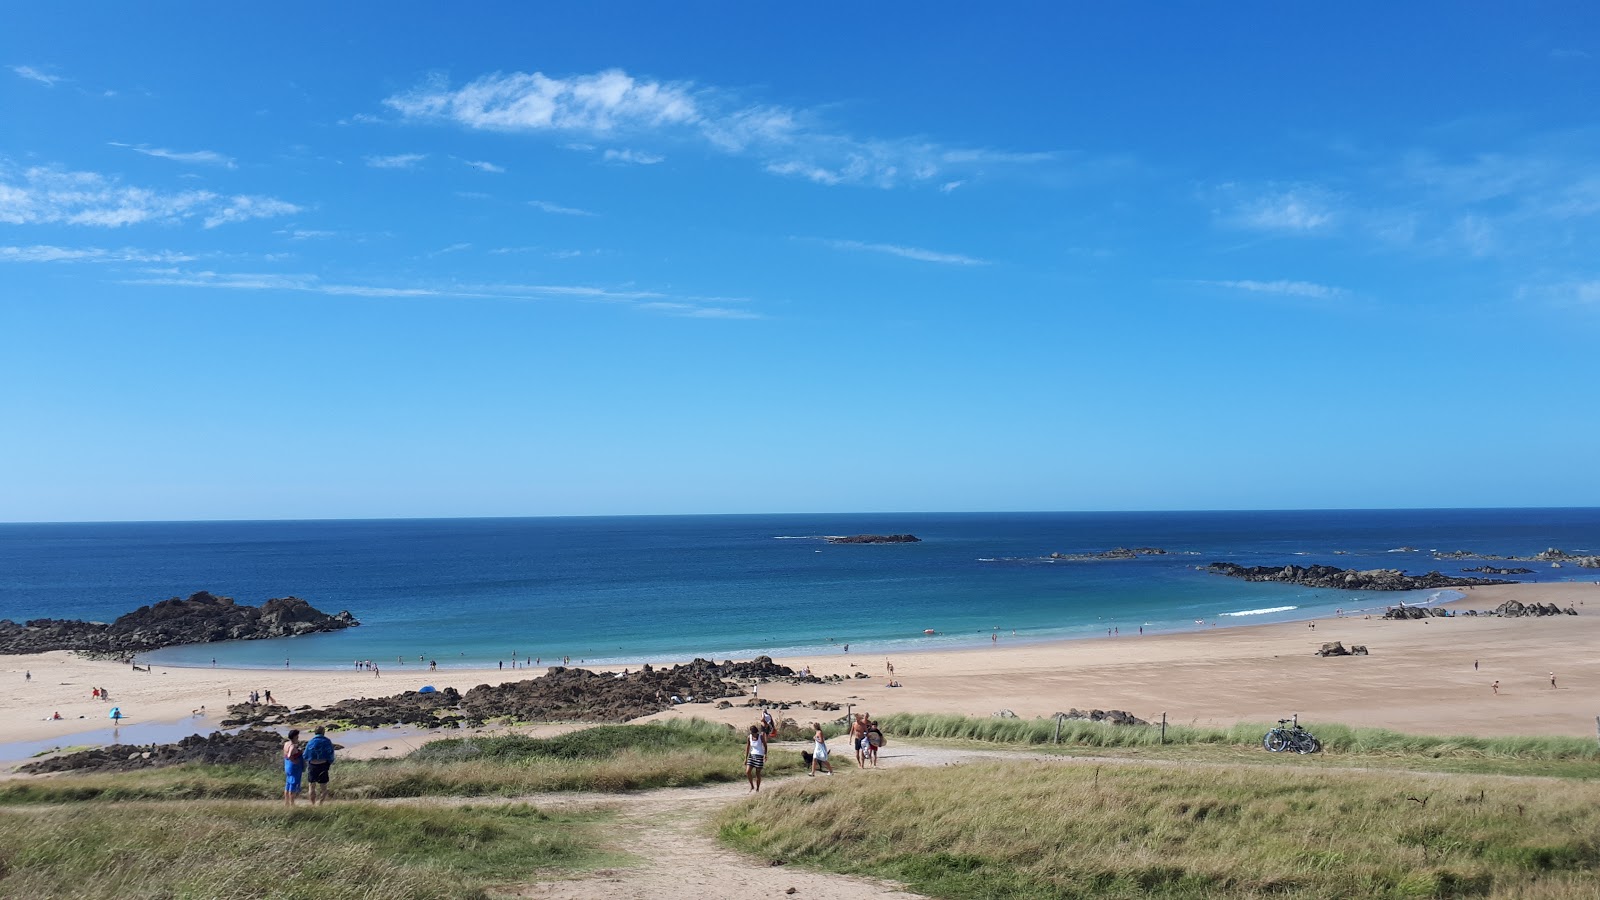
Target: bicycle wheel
[1275,741]
[1314,744]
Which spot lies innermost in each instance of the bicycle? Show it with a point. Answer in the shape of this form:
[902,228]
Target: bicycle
[1291,738]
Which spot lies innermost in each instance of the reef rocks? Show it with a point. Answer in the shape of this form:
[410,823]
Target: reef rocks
[251,746]
[1515,609]
[1337,648]
[1108,716]
[1114,553]
[1496,570]
[200,619]
[875,539]
[583,696]
[1509,609]
[1553,555]
[1349,579]
[436,709]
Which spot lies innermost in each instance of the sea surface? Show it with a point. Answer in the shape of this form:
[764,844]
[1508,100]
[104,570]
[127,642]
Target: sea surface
[669,588]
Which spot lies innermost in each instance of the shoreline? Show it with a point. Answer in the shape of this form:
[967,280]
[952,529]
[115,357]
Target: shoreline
[1419,678]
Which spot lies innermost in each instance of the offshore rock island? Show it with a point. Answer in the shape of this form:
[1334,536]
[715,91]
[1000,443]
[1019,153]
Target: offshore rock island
[202,618]
[875,539]
[1349,579]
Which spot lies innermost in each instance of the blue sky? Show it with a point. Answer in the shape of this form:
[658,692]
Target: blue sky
[428,260]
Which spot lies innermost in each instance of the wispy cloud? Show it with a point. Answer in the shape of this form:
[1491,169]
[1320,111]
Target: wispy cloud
[1305,289]
[683,306]
[555,209]
[632,157]
[604,105]
[453,248]
[32,74]
[41,195]
[482,166]
[397,161]
[305,234]
[1584,293]
[916,253]
[1301,209]
[201,157]
[43,253]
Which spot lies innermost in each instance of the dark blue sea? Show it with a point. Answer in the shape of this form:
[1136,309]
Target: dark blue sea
[665,588]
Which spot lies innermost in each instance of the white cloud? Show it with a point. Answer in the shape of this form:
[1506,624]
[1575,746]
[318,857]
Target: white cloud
[32,74]
[242,208]
[648,301]
[306,234]
[1306,289]
[482,166]
[1577,292]
[41,195]
[397,161]
[949,186]
[547,206]
[789,142]
[203,157]
[1298,210]
[634,157]
[41,253]
[453,248]
[916,253]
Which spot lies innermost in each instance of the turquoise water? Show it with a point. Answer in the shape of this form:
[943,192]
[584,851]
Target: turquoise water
[661,589]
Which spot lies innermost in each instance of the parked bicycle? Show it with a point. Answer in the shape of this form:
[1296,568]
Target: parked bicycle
[1290,736]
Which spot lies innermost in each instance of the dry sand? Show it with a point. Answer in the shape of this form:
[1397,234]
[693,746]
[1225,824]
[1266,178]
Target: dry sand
[1418,678]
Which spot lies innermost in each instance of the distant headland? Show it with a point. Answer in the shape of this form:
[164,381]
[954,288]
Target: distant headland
[202,618]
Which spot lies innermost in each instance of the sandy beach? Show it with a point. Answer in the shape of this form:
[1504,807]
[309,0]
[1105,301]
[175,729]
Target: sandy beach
[1420,677]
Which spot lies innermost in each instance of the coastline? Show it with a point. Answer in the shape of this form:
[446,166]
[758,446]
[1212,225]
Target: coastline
[1419,678]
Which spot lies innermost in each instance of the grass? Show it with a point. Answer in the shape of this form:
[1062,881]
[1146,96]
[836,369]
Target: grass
[230,849]
[607,758]
[1569,757]
[1178,832]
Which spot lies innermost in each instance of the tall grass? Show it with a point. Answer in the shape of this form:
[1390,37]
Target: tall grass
[1180,832]
[1341,739]
[606,758]
[224,850]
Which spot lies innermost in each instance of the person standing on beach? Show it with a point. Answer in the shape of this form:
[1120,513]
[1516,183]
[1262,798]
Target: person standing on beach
[1495,687]
[1552,681]
[819,750]
[769,728]
[319,759]
[756,758]
[294,766]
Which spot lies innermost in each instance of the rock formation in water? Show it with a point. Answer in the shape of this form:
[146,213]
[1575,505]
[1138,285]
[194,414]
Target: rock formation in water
[1349,579]
[200,619]
[875,539]
[1114,553]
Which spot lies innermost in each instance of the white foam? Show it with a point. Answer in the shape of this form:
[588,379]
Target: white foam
[1258,612]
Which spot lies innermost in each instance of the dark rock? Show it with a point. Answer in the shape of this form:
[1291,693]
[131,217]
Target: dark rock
[202,618]
[1515,609]
[1496,570]
[875,539]
[250,747]
[1114,553]
[584,696]
[1109,716]
[1348,579]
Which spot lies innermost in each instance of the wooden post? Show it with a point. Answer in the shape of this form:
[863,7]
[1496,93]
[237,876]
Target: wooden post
[1164,727]
[1597,727]
[1057,738]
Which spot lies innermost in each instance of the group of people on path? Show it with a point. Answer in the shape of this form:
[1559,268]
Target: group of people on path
[306,763]
[866,737]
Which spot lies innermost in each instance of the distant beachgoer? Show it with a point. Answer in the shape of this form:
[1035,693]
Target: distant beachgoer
[1552,679]
[1496,687]
[94,694]
[819,750]
[57,715]
[768,727]
[756,758]
[503,664]
[847,648]
[28,675]
[1474,665]
[213,662]
[269,698]
[294,767]
[286,663]
[375,672]
[319,758]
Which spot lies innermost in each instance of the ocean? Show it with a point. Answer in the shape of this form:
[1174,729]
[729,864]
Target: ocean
[669,588]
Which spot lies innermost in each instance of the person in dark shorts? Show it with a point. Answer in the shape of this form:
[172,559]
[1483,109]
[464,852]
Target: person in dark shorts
[755,758]
[319,759]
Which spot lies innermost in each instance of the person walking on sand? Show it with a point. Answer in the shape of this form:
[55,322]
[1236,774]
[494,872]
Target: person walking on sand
[819,750]
[1552,680]
[294,767]
[756,758]
[1495,687]
[319,758]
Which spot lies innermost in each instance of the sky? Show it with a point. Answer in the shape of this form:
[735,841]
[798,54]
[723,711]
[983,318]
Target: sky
[362,260]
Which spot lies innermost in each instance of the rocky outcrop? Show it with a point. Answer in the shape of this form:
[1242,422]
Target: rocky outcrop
[435,709]
[1337,648]
[875,539]
[1515,609]
[1496,570]
[1108,716]
[1509,609]
[1554,555]
[1348,579]
[1114,553]
[249,747]
[200,619]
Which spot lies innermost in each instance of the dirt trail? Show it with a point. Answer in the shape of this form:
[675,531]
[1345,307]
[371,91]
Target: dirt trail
[678,858]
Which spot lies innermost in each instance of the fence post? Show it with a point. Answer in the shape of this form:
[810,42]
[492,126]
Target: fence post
[1057,738]
[1597,727]
[1164,726]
